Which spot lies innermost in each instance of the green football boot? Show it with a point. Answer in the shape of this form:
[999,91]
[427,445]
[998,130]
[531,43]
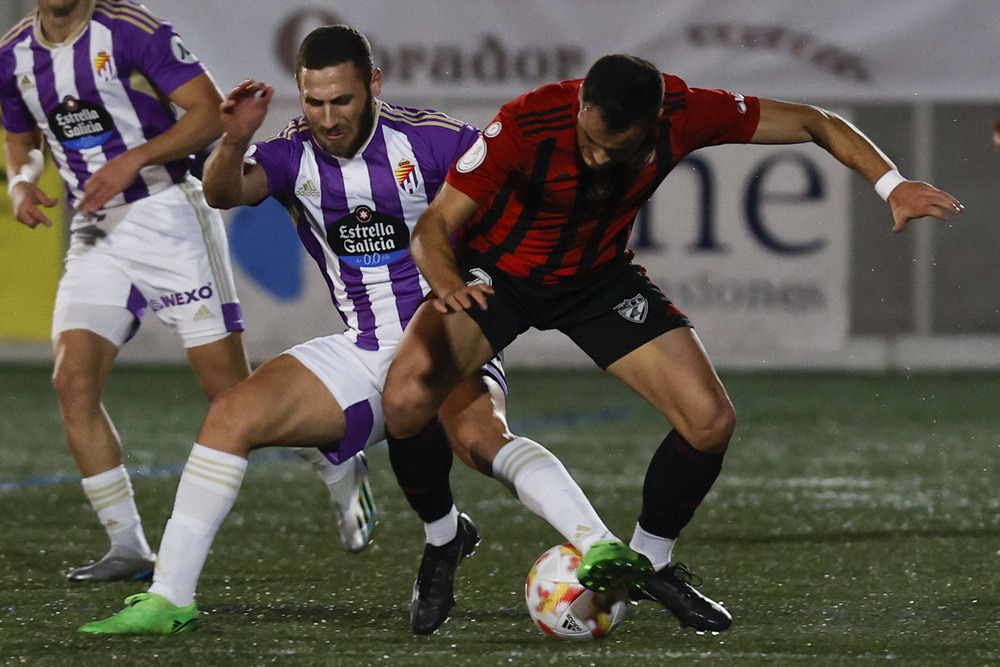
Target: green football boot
[147,614]
[610,565]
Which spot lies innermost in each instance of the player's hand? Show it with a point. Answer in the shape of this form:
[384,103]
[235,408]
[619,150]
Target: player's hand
[110,180]
[25,199]
[914,199]
[463,298]
[244,110]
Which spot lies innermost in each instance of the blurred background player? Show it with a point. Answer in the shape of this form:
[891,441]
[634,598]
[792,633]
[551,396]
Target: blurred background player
[356,173]
[93,79]
[545,204]
[142,236]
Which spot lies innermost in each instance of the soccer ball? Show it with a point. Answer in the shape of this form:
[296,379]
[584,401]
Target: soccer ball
[559,605]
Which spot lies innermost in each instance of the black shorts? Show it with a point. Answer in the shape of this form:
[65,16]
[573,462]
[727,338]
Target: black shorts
[607,315]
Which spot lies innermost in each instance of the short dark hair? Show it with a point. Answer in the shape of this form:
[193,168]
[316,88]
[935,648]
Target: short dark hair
[332,45]
[627,90]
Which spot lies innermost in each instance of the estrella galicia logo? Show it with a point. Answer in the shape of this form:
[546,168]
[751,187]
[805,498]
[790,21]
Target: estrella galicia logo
[368,238]
[80,124]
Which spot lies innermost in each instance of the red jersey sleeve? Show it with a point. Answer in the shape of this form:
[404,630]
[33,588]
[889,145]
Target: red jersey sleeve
[714,117]
[484,168]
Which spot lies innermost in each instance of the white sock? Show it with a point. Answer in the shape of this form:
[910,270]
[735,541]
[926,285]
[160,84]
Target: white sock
[543,485]
[208,488]
[330,473]
[659,550]
[443,530]
[110,494]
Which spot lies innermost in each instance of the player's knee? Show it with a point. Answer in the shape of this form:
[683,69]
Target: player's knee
[230,423]
[76,387]
[714,428]
[405,409]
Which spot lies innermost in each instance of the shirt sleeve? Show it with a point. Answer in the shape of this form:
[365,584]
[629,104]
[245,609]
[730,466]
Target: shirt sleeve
[14,113]
[163,58]
[714,117]
[272,156]
[484,168]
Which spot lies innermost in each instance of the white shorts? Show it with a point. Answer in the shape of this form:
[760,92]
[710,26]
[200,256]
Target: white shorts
[167,252]
[355,377]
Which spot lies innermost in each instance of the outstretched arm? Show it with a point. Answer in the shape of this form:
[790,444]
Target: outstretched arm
[786,123]
[227,182]
[432,251]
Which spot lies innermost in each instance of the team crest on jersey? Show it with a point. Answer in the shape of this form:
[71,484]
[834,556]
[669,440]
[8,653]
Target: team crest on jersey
[406,177]
[634,309]
[104,66]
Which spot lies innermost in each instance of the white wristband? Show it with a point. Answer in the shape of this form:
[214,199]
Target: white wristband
[885,185]
[20,178]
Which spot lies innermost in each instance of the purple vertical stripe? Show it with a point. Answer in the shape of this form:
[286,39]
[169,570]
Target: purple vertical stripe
[360,421]
[232,315]
[357,292]
[406,286]
[86,87]
[48,97]
[385,192]
[334,201]
[402,273]
[136,304]
[303,227]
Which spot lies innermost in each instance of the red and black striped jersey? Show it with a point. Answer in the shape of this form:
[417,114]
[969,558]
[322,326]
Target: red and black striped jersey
[544,215]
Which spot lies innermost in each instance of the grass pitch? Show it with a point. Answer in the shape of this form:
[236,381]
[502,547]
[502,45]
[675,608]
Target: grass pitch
[856,521]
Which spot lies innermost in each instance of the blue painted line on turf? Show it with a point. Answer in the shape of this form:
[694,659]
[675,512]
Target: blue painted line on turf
[159,471]
[174,469]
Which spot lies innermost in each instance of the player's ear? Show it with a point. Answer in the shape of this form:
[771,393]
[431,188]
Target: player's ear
[376,86]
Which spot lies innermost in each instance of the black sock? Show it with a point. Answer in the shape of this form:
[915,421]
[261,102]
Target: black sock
[677,480]
[422,464]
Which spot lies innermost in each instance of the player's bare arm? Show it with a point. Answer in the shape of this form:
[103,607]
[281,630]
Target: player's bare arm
[194,131]
[787,123]
[228,182]
[432,251]
[26,197]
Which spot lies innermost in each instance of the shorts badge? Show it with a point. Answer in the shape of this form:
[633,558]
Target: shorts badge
[634,309]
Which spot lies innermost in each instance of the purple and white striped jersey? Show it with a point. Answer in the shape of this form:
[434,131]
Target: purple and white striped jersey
[98,94]
[355,216]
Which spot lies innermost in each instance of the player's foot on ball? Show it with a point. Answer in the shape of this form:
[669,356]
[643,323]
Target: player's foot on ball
[119,564]
[672,587]
[147,614]
[434,589]
[611,564]
[356,517]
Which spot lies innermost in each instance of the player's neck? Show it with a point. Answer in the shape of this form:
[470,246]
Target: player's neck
[57,28]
